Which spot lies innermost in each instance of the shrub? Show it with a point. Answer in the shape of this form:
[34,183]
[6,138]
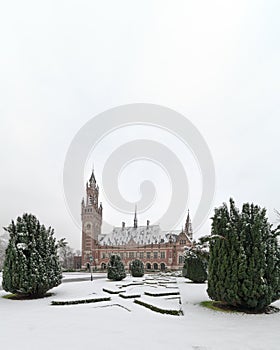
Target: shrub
[31,265]
[116,271]
[137,268]
[244,263]
[195,267]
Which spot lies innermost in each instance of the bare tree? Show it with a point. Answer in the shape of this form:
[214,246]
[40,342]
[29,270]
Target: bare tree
[4,239]
[66,254]
[277,215]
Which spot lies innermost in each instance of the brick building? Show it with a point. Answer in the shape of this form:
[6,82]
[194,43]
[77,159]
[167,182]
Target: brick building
[159,250]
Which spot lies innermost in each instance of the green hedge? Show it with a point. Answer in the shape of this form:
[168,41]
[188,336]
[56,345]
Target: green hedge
[157,309]
[82,301]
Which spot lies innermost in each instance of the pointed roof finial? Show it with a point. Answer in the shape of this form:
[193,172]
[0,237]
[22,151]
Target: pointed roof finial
[188,226]
[92,177]
[135,217]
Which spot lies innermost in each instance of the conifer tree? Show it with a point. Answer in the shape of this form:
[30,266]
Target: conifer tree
[116,271]
[31,265]
[196,260]
[244,263]
[195,266]
[137,268]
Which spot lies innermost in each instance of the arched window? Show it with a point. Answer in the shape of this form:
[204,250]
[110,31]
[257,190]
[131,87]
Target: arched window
[181,259]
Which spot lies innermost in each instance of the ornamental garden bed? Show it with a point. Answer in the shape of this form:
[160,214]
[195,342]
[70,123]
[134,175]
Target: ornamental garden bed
[80,301]
[129,295]
[162,293]
[163,306]
[115,290]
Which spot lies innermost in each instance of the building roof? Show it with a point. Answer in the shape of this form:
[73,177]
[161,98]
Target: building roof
[141,235]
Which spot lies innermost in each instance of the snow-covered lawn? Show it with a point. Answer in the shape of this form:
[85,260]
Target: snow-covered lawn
[122,324]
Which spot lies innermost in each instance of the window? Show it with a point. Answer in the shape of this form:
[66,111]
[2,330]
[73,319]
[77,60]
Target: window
[155,255]
[162,255]
[148,255]
[131,255]
[181,259]
[103,255]
[141,255]
[121,255]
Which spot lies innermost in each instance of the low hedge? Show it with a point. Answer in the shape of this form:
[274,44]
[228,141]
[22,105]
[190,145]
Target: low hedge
[161,294]
[157,309]
[81,301]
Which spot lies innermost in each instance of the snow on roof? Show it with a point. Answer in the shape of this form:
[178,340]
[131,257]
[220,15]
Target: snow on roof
[142,235]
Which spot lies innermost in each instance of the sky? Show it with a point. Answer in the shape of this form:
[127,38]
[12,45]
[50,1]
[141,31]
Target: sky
[64,62]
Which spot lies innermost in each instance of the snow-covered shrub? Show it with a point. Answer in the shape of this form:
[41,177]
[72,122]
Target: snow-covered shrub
[195,266]
[137,268]
[116,271]
[31,265]
[244,263]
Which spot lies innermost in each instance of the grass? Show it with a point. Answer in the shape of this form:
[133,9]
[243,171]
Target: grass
[25,297]
[220,306]
[216,306]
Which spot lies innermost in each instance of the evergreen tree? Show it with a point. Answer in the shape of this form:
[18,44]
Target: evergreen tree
[31,265]
[195,265]
[244,263]
[116,271]
[137,268]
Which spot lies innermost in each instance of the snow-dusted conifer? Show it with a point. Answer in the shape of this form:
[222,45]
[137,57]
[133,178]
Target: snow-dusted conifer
[244,264]
[116,271]
[31,265]
[137,268]
[195,265]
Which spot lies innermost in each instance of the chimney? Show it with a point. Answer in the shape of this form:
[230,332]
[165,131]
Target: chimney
[148,224]
[123,225]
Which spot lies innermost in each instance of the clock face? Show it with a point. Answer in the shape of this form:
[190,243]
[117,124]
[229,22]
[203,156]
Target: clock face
[88,226]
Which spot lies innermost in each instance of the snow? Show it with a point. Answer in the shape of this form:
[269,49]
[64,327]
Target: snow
[164,303]
[22,246]
[122,324]
[142,235]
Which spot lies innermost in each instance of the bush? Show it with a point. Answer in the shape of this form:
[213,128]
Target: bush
[244,263]
[116,270]
[137,268]
[195,267]
[31,265]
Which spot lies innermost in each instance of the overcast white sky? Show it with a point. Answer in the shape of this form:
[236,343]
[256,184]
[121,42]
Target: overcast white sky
[62,62]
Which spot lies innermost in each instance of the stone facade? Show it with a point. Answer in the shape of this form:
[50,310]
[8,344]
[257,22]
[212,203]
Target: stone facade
[159,250]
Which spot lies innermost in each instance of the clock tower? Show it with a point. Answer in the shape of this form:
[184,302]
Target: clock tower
[91,215]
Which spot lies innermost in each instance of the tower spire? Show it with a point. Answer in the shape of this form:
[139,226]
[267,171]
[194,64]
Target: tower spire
[92,177]
[188,226]
[135,218]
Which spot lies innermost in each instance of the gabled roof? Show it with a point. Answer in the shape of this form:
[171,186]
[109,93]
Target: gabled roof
[142,235]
